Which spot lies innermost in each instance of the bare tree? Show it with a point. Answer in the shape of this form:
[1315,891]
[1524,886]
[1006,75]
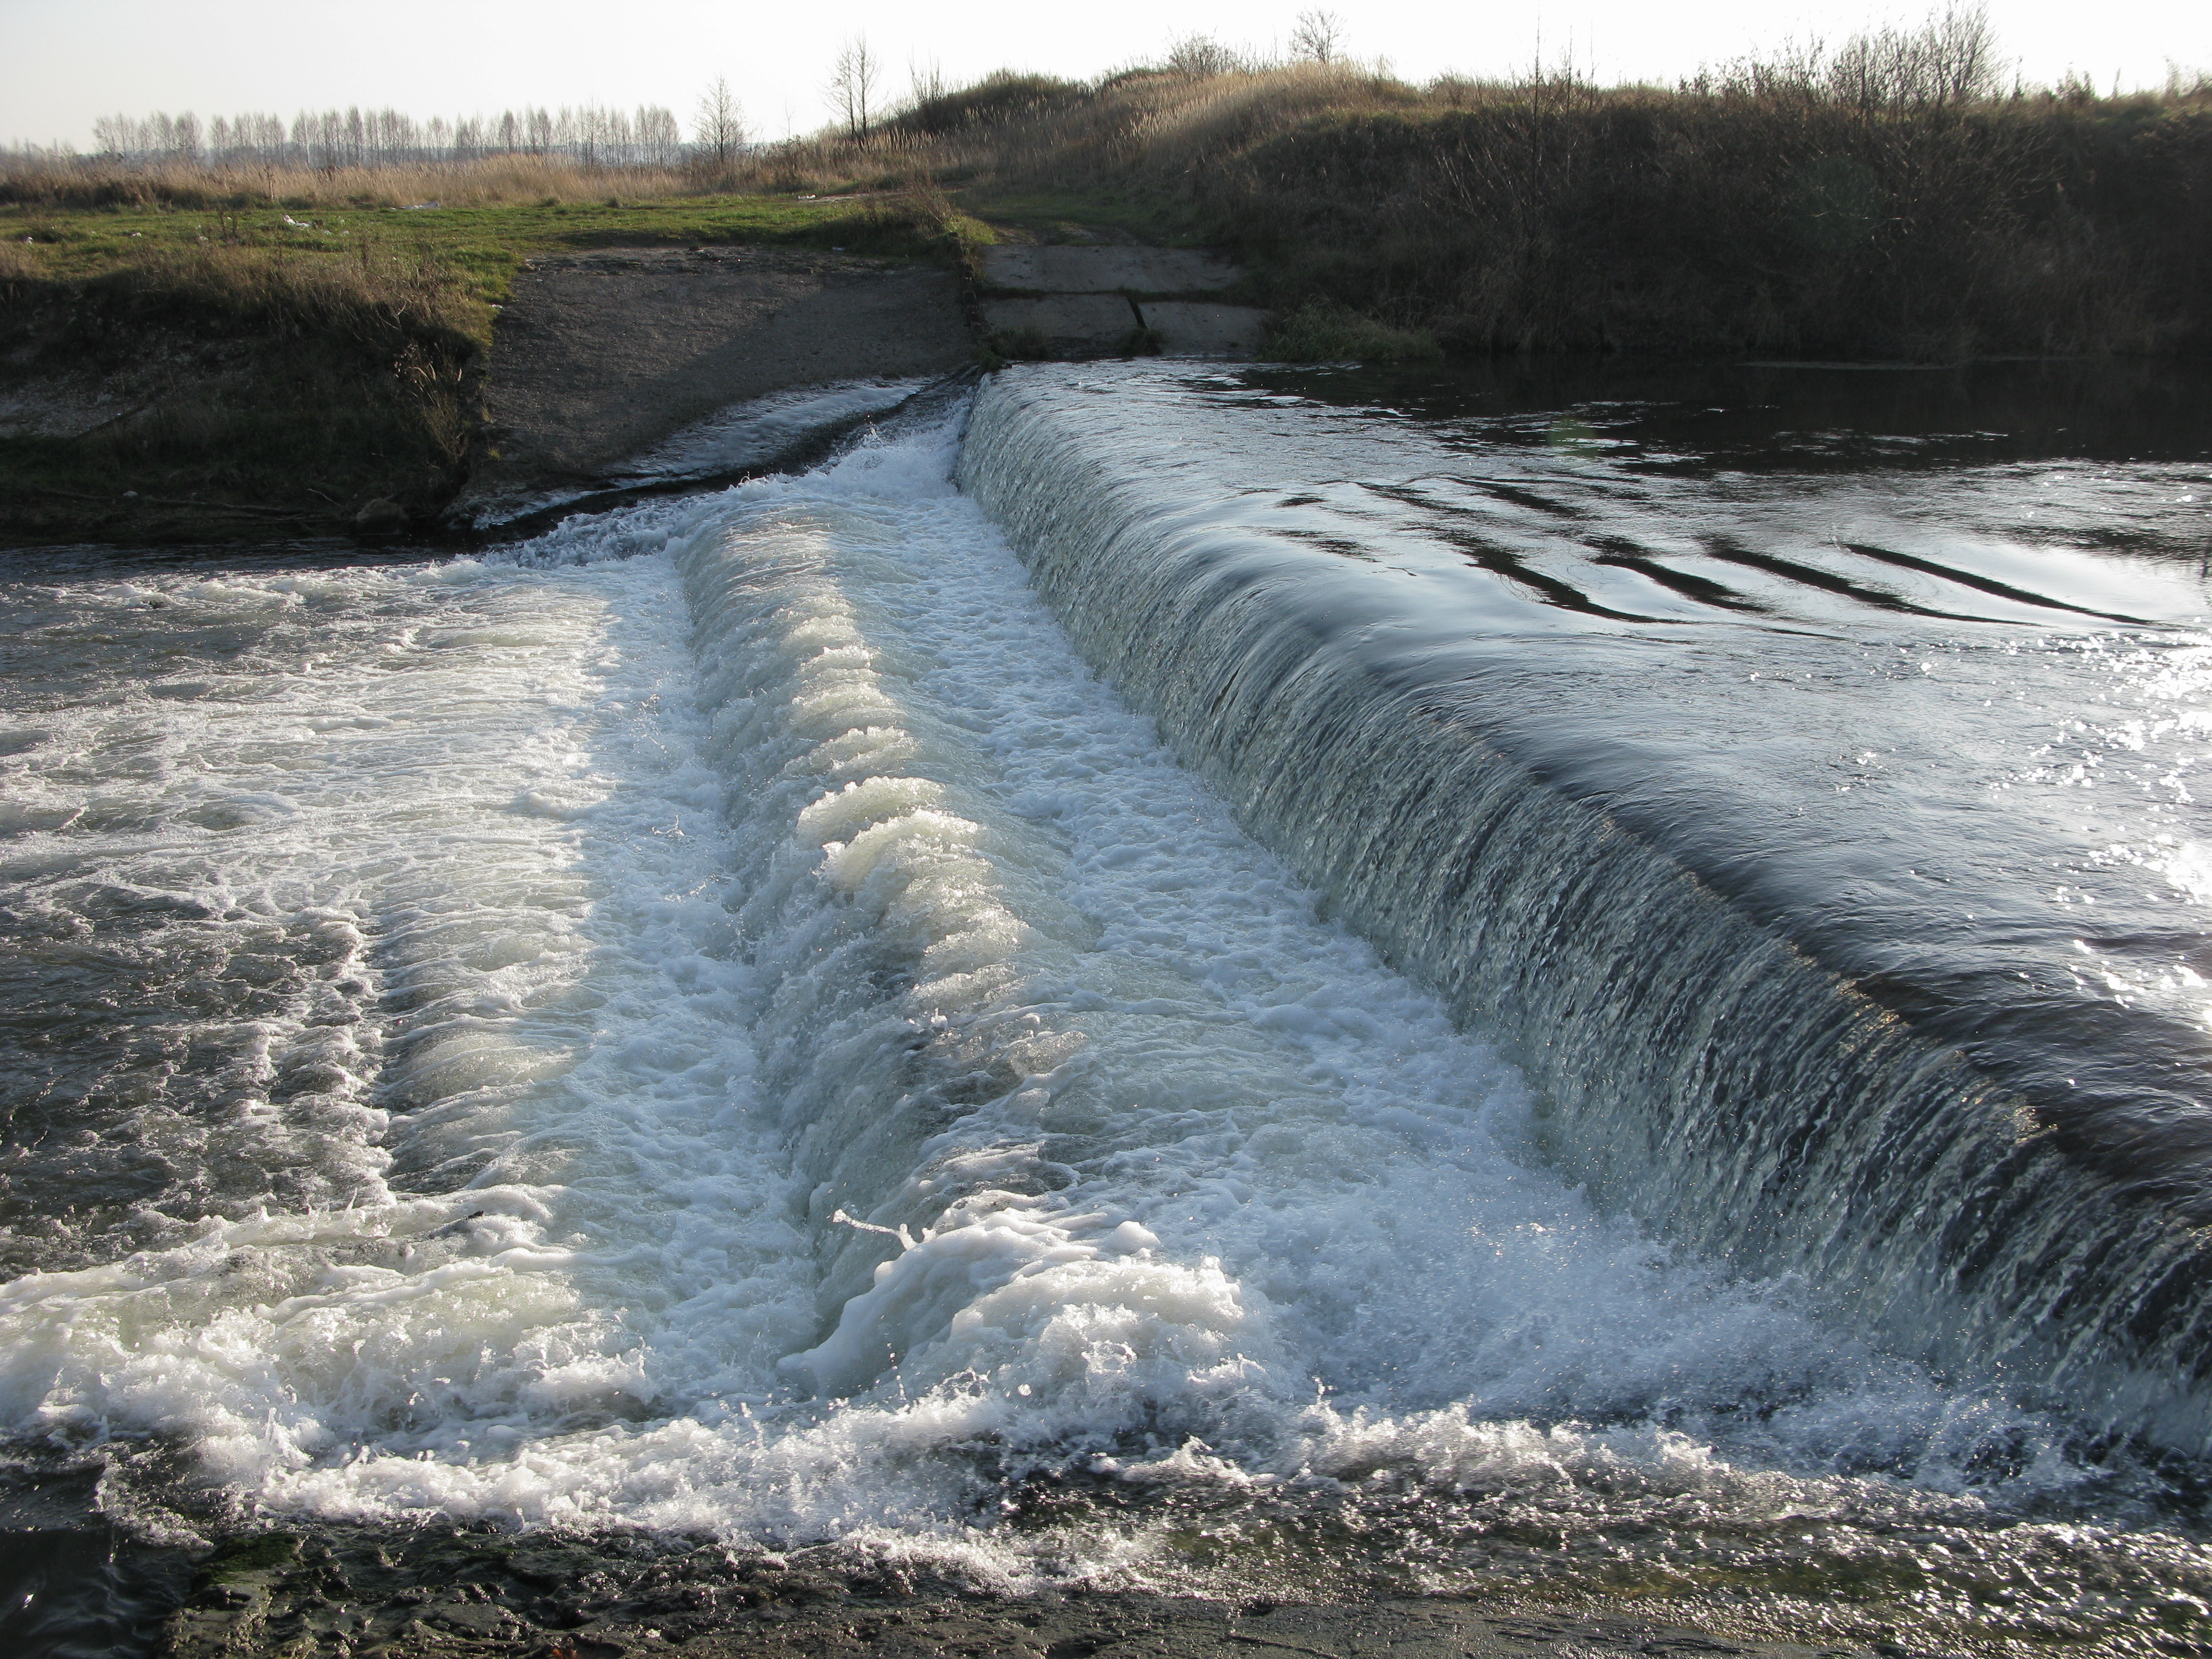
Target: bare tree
[1950,59]
[719,125]
[852,85]
[1319,37]
[925,82]
[659,140]
[1200,56]
[1962,55]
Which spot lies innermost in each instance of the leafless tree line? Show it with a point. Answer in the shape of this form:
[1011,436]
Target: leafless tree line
[1950,59]
[590,134]
[1319,37]
[357,137]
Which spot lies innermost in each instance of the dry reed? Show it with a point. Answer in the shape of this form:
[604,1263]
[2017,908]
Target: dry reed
[1876,200]
[45,181]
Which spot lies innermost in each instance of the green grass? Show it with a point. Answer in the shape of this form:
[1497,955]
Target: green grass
[1319,331]
[345,345]
[1057,215]
[480,248]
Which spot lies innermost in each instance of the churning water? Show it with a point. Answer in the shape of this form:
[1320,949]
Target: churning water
[1182,980]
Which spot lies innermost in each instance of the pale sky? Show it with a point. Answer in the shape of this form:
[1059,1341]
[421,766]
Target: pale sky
[64,62]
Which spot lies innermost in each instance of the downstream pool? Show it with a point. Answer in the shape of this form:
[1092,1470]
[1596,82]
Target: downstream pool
[1585,990]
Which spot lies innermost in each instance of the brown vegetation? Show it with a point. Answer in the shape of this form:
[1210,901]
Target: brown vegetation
[1886,198]
[1861,203]
[45,181]
[287,389]
[1823,207]
[1563,216]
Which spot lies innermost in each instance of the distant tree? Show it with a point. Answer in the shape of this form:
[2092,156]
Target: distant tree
[1200,56]
[853,84]
[659,140]
[720,127]
[1319,37]
[1950,59]
[1959,54]
[925,83]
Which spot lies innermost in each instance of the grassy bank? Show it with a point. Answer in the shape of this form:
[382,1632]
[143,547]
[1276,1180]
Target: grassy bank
[253,391]
[338,317]
[1882,201]
[1764,211]
[1579,220]
[1774,207]
[270,367]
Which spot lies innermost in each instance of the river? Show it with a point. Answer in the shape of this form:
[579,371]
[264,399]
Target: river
[1586,987]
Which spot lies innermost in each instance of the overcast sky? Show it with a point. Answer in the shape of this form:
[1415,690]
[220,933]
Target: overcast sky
[64,62]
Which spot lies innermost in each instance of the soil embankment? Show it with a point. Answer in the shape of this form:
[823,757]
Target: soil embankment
[224,393]
[599,355]
[188,405]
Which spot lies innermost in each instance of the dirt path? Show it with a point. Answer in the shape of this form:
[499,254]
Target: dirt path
[599,355]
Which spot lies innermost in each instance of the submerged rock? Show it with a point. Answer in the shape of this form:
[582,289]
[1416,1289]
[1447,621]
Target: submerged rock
[381,517]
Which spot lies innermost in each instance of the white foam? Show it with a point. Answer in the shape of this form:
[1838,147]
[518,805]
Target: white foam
[754,432]
[875,1063]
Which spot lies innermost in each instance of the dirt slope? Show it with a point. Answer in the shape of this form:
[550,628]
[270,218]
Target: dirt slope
[600,354]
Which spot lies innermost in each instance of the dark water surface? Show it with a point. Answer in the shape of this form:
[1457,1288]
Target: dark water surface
[1586,987]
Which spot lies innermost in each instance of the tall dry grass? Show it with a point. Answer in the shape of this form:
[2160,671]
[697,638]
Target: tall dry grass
[1009,128]
[1880,200]
[275,379]
[45,181]
[1877,199]
[380,298]
[1568,216]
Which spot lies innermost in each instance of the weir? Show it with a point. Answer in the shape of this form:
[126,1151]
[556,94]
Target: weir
[1699,1062]
[715,1023]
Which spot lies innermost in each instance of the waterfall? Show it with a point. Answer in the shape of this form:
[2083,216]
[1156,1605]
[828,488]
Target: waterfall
[1702,1065]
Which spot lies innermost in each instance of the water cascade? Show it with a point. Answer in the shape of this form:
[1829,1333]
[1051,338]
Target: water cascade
[1752,1091]
[717,1022]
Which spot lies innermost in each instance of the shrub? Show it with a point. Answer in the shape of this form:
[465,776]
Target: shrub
[1001,96]
[1324,331]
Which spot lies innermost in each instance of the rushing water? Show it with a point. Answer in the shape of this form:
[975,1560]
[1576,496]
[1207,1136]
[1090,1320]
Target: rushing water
[1655,1051]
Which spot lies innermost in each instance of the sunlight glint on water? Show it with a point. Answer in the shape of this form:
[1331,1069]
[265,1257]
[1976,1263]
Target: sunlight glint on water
[813,1065]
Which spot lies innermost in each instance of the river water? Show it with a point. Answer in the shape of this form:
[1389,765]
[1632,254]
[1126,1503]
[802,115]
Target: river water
[1236,982]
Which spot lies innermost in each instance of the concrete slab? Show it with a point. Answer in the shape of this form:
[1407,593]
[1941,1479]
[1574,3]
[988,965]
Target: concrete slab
[1197,328]
[599,355]
[1062,325]
[1102,269]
